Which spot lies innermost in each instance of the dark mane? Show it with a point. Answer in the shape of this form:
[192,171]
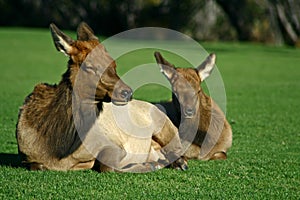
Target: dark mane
[54,116]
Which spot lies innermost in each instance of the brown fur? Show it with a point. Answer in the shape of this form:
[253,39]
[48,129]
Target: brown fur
[191,110]
[46,133]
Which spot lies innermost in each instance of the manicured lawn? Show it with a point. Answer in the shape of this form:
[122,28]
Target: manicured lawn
[263,105]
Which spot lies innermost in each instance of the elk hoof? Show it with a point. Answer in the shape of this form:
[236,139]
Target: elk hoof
[155,166]
[219,156]
[104,168]
[180,164]
[36,166]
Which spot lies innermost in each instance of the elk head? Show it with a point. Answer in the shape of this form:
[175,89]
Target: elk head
[90,66]
[186,83]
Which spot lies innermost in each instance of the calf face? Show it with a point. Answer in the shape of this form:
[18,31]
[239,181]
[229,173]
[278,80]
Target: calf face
[186,83]
[91,66]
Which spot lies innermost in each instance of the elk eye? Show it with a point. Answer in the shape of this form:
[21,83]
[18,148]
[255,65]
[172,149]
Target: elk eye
[90,69]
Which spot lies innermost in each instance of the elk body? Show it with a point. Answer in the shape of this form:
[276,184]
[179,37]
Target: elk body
[68,126]
[144,133]
[199,119]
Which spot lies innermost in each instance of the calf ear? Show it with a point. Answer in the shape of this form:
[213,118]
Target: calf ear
[205,69]
[85,33]
[165,67]
[62,41]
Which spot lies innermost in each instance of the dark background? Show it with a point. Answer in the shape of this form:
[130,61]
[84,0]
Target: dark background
[266,21]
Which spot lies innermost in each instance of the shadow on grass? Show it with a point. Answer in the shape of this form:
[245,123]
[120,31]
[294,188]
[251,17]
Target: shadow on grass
[10,160]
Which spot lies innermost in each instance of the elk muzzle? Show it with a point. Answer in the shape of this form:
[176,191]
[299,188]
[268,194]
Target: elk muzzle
[122,93]
[189,112]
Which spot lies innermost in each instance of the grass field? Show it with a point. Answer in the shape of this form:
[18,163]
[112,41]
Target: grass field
[263,106]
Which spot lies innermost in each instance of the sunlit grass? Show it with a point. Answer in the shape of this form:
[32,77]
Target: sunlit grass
[262,87]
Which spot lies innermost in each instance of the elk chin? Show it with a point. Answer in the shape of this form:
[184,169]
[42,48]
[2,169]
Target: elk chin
[119,103]
[115,101]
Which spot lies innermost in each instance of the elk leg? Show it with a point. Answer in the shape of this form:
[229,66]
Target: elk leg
[83,165]
[156,146]
[100,167]
[219,156]
[169,141]
[110,159]
[35,166]
[193,152]
[180,164]
[143,167]
[134,167]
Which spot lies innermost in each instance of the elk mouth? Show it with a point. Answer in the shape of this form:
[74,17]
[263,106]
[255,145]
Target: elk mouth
[119,103]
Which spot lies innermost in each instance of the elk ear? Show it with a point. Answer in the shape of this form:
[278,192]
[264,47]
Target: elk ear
[165,67]
[205,69]
[85,33]
[62,41]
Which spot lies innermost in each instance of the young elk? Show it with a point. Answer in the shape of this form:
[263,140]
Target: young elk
[198,117]
[58,126]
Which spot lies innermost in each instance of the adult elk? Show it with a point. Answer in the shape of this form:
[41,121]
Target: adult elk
[198,117]
[68,126]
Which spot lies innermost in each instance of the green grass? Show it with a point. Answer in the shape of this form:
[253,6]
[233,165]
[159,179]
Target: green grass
[263,105]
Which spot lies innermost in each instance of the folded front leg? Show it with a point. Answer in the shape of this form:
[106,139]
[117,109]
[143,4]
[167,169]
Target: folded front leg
[168,140]
[116,159]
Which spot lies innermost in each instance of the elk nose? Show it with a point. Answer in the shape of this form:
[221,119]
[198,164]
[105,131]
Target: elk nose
[126,94]
[189,112]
